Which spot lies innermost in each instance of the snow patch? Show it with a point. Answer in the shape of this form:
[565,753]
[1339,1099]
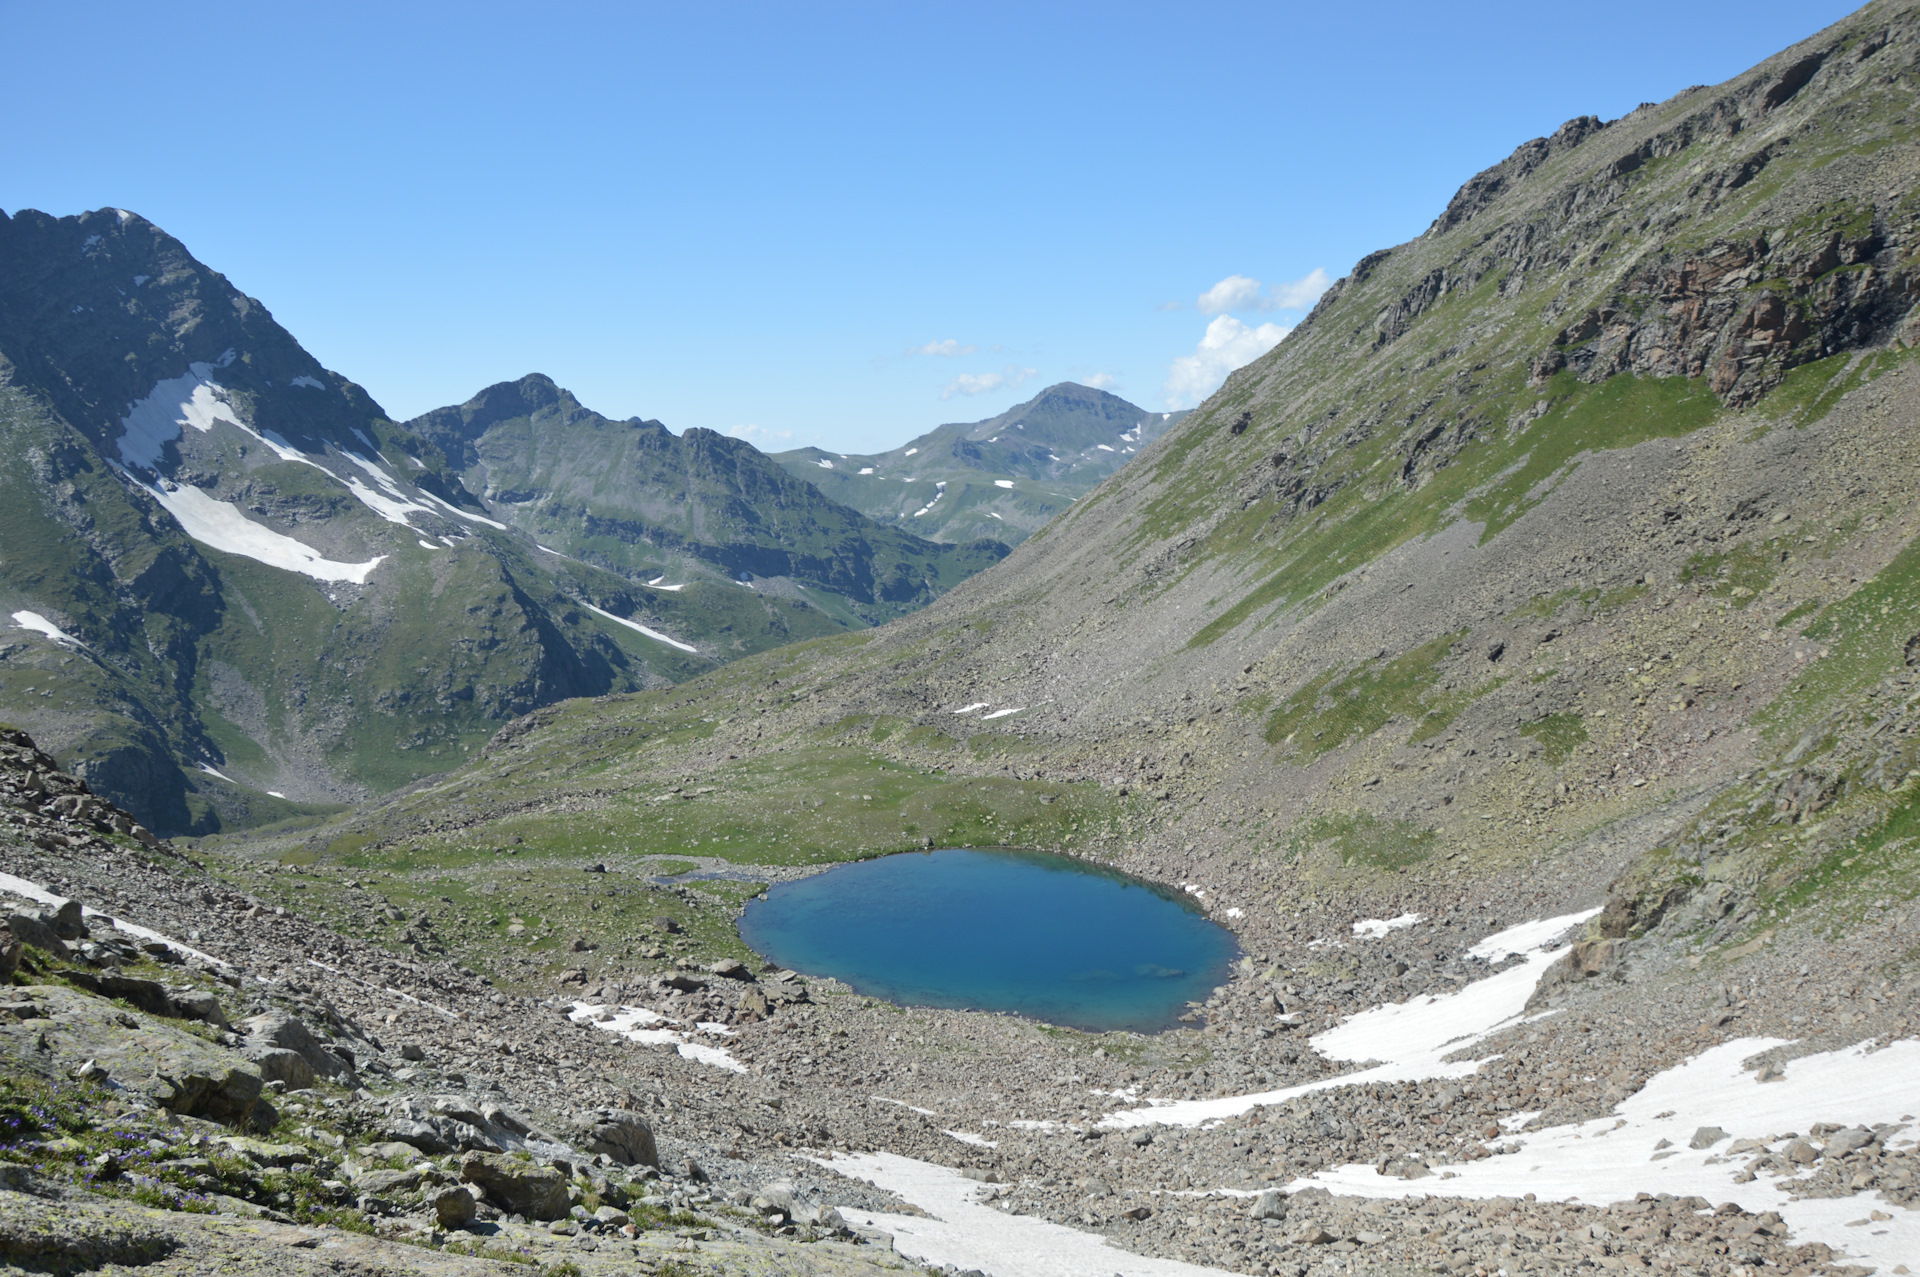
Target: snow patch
[314,383]
[274,793]
[961,1232]
[138,280]
[40,895]
[968,709]
[628,1022]
[824,464]
[211,772]
[656,635]
[1002,713]
[968,1137]
[1411,1039]
[910,451]
[467,515]
[1103,447]
[1003,483]
[1608,1159]
[1374,928]
[866,470]
[1236,912]
[220,526]
[1528,935]
[428,545]
[35,621]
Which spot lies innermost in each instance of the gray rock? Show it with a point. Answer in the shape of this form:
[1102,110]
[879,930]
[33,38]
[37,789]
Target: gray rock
[1270,1204]
[1706,1137]
[1841,1143]
[67,920]
[290,1033]
[454,1207]
[517,1185]
[730,969]
[611,1216]
[774,1198]
[622,1135]
[277,1064]
[198,1004]
[30,928]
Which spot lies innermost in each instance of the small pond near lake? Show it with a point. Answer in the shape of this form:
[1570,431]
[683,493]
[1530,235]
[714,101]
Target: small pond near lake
[1038,935]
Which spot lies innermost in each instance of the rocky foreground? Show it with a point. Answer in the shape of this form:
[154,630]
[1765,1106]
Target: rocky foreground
[199,1079]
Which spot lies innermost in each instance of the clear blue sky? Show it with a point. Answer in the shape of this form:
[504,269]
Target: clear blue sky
[746,215]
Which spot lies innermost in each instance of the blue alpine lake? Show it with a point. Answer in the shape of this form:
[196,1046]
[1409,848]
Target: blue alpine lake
[1038,935]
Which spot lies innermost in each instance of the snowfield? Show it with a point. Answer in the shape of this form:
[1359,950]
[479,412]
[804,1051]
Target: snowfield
[220,526]
[40,624]
[1612,1158]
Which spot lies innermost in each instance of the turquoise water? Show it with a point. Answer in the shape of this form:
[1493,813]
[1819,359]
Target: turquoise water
[1042,936]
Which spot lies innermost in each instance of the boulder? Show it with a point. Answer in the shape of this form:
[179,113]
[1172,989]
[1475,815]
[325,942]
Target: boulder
[198,1004]
[731,969]
[67,919]
[277,1064]
[1841,1143]
[149,995]
[776,1198]
[10,950]
[454,1207]
[1706,1137]
[517,1185]
[1271,1203]
[232,1097]
[29,927]
[289,1033]
[622,1135]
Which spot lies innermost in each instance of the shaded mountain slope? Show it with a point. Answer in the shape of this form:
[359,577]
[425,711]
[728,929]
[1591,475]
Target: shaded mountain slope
[1004,477]
[634,498]
[234,587]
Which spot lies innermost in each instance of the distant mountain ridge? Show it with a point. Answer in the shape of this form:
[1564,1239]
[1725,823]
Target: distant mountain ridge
[632,497]
[233,590]
[1004,477]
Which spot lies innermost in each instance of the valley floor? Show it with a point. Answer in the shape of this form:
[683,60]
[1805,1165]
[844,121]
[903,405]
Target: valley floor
[1751,1113]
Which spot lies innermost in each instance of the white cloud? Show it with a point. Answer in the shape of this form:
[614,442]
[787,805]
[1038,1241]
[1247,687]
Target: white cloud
[1100,381]
[1239,292]
[760,436]
[947,349]
[1301,293]
[1235,292]
[968,383]
[1227,345]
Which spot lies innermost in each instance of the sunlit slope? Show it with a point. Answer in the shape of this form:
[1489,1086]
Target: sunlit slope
[1543,527]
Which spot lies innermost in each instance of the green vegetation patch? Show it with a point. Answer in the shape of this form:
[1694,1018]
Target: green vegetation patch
[1737,575]
[1559,735]
[1618,413]
[1360,838]
[1342,706]
[1495,479]
[1866,635]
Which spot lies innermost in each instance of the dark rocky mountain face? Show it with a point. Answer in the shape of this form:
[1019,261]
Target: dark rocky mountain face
[634,498]
[1004,477]
[235,589]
